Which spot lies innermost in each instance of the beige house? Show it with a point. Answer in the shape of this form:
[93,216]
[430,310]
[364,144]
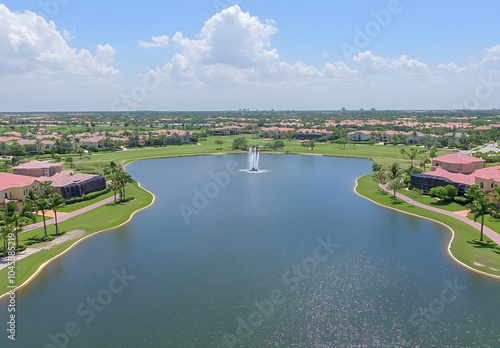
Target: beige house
[15,187]
[38,169]
[488,178]
[458,163]
[362,135]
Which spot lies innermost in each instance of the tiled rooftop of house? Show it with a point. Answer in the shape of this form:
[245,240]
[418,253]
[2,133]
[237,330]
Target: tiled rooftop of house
[62,179]
[8,181]
[458,158]
[37,165]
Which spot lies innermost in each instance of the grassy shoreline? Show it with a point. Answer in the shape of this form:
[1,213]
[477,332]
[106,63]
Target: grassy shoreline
[464,247]
[29,267]
[99,220]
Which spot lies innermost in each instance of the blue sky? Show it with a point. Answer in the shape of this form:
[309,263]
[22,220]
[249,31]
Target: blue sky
[258,54]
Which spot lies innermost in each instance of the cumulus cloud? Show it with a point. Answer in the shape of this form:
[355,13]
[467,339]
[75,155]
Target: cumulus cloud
[30,44]
[234,46]
[156,41]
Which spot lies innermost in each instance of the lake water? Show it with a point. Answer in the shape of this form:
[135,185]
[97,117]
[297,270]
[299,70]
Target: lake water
[287,258]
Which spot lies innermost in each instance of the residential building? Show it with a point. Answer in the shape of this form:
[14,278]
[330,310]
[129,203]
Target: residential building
[38,168]
[458,163]
[15,187]
[359,135]
[76,185]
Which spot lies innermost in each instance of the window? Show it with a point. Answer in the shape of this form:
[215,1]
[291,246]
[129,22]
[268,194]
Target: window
[491,185]
[481,185]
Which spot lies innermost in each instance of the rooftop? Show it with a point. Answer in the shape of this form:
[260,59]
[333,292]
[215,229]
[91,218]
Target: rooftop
[62,179]
[37,165]
[8,181]
[458,158]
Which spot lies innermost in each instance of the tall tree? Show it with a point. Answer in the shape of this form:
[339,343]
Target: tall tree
[480,207]
[395,178]
[5,231]
[411,154]
[56,201]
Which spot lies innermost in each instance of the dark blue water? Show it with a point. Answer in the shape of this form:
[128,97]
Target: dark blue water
[288,258]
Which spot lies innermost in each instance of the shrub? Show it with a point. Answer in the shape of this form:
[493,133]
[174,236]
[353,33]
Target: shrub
[86,197]
[445,193]
[124,200]
[462,200]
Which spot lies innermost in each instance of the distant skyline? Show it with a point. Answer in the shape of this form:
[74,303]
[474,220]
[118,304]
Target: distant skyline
[124,55]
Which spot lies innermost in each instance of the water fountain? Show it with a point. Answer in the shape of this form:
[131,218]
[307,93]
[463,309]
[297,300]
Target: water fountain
[253,159]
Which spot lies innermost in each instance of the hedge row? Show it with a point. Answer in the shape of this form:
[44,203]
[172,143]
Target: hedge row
[86,197]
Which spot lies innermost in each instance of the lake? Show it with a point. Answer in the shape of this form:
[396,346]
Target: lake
[290,257]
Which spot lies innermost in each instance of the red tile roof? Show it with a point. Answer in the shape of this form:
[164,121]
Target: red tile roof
[491,173]
[468,179]
[8,181]
[37,165]
[61,179]
[458,158]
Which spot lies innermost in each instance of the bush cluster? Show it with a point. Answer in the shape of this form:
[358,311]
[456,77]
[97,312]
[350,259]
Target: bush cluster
[86,197]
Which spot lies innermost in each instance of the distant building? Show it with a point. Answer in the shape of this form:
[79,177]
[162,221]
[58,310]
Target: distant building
[359,135]
[38,168]
[308,136]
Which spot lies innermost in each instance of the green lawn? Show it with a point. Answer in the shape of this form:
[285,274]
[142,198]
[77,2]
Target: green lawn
[384,154]
[73,207]
[99,219]
[39,218]
[434,202]
[465,246]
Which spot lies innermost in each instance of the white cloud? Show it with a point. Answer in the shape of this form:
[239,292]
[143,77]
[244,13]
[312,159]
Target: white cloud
[30,44]
[156,41]
[412,67]
[371,64]
[235,47]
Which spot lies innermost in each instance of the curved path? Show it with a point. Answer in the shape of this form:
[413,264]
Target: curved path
[66,216]
[494,236]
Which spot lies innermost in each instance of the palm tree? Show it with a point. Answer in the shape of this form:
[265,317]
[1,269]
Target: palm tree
[412,155]
[5,231]
[56,201]
[18,219]
[45,188]
[481,206]
[395,178]
[496,193]
[43,204]
[123,178]
[473,191]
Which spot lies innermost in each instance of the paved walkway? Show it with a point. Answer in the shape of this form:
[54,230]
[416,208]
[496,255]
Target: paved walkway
[66,216]
[494,236]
